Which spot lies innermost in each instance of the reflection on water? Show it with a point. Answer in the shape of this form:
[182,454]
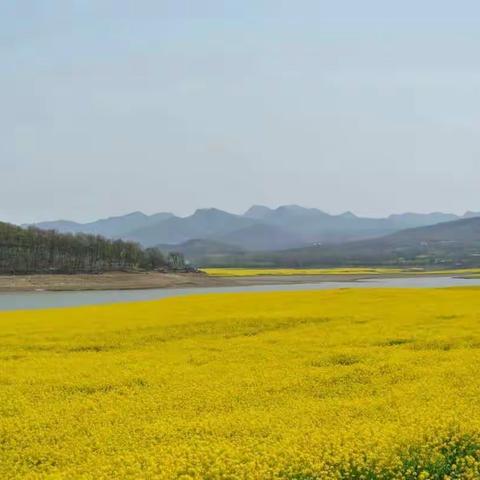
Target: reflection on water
[34,300]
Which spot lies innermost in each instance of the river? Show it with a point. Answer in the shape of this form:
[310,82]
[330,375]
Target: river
[38,300]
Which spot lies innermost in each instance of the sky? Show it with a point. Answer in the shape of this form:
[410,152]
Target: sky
[111,106]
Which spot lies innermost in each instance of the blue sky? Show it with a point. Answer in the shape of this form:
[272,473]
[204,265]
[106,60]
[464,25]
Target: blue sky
[111,106]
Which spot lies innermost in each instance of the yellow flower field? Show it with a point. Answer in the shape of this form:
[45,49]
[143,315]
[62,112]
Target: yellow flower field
[248,272]
[341,384]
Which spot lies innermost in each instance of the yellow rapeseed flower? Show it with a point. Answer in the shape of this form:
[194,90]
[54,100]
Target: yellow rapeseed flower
[341,384]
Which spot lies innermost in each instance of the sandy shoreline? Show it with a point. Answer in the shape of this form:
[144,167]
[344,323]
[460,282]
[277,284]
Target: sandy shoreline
[105,281]
[151,280]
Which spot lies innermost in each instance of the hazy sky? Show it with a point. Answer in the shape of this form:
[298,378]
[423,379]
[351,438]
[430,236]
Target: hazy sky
[112,106]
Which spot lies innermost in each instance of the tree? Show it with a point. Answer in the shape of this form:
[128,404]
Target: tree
[32,250]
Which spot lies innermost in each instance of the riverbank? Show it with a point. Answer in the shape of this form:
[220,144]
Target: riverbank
[106,281]
[155,280]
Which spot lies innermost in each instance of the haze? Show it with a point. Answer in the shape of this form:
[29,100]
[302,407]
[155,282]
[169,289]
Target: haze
[109,107]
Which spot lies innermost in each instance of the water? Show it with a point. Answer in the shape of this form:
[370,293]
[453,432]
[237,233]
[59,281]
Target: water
[36,300]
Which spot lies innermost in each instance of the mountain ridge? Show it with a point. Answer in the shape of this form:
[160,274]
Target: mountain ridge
[259,228]
[453,243]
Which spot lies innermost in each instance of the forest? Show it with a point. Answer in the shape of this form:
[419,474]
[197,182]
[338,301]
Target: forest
[31,250]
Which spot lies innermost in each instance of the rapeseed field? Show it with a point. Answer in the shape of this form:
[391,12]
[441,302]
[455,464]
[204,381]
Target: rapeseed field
[248,272]
[341,384]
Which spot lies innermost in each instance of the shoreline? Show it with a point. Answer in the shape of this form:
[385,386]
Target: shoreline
[154,280]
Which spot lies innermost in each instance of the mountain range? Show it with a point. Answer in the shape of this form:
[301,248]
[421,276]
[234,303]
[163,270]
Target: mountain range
[454,243]
[260,228]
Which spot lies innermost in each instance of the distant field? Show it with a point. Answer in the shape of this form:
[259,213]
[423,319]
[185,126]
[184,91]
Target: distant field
[350,384]
[247,272]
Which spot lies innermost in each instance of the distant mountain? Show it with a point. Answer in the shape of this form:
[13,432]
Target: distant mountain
[471,214]
[456,242]
[204,223]
[293,213]
[465,232]
[314,226]
[257,211]
[411,220]
[60,226]
[112,227]
[261,237]
[259,228]
[348,215]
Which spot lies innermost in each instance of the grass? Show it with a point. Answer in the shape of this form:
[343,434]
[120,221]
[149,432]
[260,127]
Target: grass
[248,272]
[341,384]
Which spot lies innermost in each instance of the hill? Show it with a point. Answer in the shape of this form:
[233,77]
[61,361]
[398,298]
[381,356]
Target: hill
[412,220]
[200,247]
[262,237]
[455,243]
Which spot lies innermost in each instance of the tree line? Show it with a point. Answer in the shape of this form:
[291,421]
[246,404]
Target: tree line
[31,250]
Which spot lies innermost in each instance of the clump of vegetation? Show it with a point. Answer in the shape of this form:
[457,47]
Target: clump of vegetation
[341,384]
[31,250]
